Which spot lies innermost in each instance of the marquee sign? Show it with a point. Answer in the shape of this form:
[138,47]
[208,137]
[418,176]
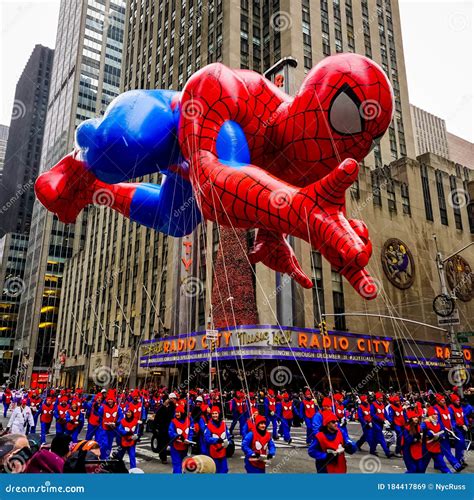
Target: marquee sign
[285,343]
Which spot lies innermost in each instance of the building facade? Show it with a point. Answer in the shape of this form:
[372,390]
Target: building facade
[460,150]
[128,287]
[12,268]
[3,147]
[85,78]
[23,154]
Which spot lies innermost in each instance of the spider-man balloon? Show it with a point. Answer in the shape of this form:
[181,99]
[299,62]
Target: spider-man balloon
[237,150]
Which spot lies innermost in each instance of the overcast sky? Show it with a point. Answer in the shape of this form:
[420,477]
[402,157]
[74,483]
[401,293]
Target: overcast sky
[437,38]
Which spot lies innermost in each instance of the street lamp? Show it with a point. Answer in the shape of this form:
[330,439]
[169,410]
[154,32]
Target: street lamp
[456,356]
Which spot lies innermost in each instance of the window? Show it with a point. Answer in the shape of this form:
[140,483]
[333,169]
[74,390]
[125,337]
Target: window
[318,291]
[405,199]
[377,197]
[392,202]
[338,299]
[456,202]
[426,193]
[443,213]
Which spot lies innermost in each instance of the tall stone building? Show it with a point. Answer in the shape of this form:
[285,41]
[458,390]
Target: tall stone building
[85,78]
[22,157]
[131,286]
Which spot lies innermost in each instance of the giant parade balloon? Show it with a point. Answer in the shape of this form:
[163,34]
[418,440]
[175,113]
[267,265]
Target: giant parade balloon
[234,149]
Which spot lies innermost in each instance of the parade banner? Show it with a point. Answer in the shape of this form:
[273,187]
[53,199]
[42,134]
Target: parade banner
[288,343]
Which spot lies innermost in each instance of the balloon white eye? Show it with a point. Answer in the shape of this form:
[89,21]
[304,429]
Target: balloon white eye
[344,115]
[258,445]
[179,431]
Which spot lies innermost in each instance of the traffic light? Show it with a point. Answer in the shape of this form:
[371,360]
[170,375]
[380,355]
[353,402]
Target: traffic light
[323,327]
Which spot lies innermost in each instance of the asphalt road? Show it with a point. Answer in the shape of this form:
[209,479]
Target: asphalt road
[291,458]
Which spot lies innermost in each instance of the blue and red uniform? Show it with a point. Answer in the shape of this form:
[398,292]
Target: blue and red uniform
[258,444]
[46,411]
[216,436]
[128,432]
[379,417]
[433,434]
[460,426]
[328,447]
[412,446]
[365,419]
[180,431]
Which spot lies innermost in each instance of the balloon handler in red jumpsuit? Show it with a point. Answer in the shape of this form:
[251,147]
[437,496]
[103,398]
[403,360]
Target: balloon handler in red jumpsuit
[234,149]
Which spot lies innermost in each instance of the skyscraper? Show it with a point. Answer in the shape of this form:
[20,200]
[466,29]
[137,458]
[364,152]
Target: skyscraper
[85,78]
[22,157]
[3,147]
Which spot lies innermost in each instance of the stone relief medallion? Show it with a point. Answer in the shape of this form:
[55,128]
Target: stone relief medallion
[460,277]
[398,263]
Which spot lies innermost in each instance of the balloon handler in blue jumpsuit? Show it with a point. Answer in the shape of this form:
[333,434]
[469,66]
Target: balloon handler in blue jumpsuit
[217,439]
[181,435]
[258,447]
[128,431]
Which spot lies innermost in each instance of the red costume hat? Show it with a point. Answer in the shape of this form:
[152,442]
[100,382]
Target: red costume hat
[326,402]
[307,393]
[431,411]
[455,398]
[412,414]
[180,409]
[271,392]
[216,408]
[260,419]
[63,399]
[378,395]
[110,395]
[136,393]
[285,395]
[328,416]
[363,398]
[338,397]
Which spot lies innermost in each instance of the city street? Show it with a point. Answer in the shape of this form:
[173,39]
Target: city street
[291,458]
